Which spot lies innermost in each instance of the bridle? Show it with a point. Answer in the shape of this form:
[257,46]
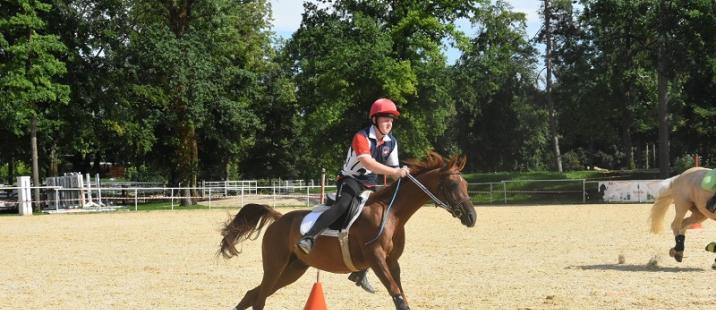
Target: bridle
[454,209]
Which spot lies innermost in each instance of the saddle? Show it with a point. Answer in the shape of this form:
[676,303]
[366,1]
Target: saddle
[339,229]
[342,223]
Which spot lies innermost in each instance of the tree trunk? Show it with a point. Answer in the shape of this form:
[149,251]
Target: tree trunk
[54,162]
[96,168]
[628,148]
[663,84]
[548,88]
[187,155]
[35,160]
[11,170]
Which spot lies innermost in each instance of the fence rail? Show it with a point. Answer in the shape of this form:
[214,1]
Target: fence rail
[86,194]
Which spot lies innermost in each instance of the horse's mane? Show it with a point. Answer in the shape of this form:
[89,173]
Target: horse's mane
[417,167]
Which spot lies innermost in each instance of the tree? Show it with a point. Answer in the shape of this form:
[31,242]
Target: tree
[199,71]
[30,68]
[551,112]
[499,122]
[347,53]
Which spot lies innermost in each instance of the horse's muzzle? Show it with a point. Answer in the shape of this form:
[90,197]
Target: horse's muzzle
[469,218]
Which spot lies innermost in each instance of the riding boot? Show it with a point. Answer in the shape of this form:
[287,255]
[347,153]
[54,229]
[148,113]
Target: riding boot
[361,279]
[309,239]
[711,204]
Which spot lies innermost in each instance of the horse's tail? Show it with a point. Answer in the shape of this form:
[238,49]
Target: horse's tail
[247,224]
[661,205]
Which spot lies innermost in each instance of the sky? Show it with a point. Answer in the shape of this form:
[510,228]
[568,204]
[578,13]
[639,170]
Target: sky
[287,18]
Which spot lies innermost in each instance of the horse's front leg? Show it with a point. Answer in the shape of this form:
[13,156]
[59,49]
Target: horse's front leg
[679,229]
[394,268]
[383,272]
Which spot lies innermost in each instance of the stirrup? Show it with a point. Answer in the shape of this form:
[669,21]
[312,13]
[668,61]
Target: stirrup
[361,279]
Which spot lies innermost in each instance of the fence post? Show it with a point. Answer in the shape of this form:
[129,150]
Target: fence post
[504,190]
[490,193]
[24,196]
[80,184]
[99,190]
[57,199]
[89,191]
[584,191]
[135,199]
[323,185]
[308,202]
[172,195]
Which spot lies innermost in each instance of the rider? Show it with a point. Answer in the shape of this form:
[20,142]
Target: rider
[374,150]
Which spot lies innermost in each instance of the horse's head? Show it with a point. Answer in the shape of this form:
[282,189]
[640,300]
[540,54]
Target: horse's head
[452,189]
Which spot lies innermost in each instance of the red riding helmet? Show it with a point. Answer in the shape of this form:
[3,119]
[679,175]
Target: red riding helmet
[383,106]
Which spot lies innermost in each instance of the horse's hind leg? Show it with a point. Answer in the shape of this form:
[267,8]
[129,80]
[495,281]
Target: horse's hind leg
[293,271]
[679,229]
[248,299]
[694,218]
[276,259]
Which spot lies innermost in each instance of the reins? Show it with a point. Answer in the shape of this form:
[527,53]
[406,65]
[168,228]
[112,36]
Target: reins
[422,187]
[385,213]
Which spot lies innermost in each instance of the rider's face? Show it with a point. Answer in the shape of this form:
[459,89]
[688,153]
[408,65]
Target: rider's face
[385,124]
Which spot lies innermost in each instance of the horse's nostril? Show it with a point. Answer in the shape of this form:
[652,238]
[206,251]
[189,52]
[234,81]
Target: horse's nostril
[470,220]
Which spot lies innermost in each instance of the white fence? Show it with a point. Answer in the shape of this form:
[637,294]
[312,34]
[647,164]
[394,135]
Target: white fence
[76,192]
[563,191]
[73,192]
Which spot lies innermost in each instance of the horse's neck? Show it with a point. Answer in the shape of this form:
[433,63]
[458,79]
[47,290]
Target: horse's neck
[409,199]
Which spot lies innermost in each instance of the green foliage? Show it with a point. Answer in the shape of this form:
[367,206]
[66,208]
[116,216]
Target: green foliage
[498,124]
[29,65]
[349,53]
[683,162]
[143,173]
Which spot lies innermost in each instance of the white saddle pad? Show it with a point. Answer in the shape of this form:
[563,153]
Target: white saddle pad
[312,216]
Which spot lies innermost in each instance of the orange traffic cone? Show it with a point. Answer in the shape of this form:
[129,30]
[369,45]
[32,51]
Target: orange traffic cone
[316,301]
[695,226]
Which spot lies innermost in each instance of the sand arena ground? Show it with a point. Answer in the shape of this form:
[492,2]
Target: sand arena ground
[526,257]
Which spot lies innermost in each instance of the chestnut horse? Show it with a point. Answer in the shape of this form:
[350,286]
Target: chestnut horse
[284,263]
[687,194]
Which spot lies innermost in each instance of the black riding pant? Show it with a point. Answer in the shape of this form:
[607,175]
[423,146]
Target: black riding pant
[348,191]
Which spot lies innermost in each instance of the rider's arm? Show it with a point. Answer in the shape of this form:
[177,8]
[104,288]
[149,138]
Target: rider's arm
[371,164]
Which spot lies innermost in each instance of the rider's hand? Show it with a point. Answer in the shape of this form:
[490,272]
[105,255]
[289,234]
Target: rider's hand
[401,172]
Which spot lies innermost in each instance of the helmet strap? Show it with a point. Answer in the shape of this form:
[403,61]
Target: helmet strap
[374,120]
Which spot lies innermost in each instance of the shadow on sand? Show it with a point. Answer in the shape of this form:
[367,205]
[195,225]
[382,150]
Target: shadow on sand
[637,268]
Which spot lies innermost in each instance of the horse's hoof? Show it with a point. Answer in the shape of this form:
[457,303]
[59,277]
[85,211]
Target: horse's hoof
[677,255]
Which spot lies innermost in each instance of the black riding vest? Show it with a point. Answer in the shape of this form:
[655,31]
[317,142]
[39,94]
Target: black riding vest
[380,154]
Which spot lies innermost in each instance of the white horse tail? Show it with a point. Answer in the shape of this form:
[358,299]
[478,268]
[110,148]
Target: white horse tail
[661,205]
